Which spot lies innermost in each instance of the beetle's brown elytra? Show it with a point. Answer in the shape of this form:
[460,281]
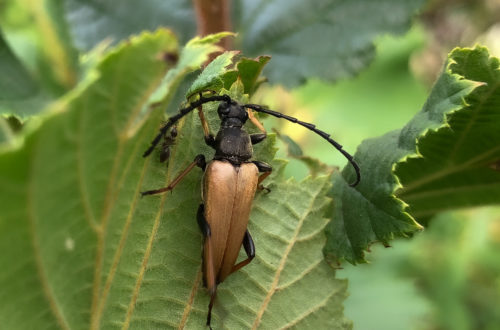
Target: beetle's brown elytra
[228,192]
[229,184]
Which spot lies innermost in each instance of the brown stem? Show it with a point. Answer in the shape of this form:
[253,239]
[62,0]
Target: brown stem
[213,16]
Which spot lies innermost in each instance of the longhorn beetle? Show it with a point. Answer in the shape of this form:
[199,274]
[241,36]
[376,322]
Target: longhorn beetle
[229,184]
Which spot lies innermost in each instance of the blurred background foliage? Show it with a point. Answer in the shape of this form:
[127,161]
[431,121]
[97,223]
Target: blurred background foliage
[446,278]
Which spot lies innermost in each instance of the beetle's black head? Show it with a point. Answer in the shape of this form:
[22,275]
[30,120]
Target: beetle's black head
[232,114]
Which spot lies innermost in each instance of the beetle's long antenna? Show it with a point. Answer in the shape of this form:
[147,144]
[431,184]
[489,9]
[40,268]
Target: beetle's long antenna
[313,128]
[172,120]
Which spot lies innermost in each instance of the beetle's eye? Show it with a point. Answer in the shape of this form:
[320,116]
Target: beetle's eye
[223,109]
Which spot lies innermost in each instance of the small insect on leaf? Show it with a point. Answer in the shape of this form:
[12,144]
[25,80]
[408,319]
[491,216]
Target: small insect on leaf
[168,141]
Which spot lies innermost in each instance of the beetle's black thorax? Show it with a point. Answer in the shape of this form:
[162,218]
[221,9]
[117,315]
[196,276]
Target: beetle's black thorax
[233,144]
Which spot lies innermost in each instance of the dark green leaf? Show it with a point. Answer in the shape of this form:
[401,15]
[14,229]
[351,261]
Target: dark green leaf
[318,38]
[92,21]
[456,164]
[372,212]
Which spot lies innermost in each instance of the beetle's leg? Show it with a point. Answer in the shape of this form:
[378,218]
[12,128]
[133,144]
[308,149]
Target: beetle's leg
[266,169]
[255,121]
[198,161]
[208,261]
[257,137]
[249,250]
[209,138]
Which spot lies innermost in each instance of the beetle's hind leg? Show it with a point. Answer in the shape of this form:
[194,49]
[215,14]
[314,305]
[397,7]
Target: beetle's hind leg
[208,260]
[249,247]
[266,170]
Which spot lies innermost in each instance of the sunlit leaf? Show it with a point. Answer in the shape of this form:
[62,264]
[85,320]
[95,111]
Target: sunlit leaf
[210,77]
[82,249]
[248,70]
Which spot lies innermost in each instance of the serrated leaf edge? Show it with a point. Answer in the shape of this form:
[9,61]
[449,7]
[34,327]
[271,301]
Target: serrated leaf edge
[463,107]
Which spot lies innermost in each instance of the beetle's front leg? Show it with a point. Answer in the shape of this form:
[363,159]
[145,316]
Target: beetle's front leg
[255,121]
[257,137]
[209,138]
[208,260]
[266,170]
[198,161]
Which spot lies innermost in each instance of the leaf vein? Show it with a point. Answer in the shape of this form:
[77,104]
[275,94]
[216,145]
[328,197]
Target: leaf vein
[47,289]
[284,258]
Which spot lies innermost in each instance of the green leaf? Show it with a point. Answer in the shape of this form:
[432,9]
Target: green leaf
[248,70]
[210,78]
[456,164]
[172,89]
[61,188]
[44,45]
[318,38]
[15,81]
[219,73]
[82,250]
[60,58]
[19,92]
[372,212]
